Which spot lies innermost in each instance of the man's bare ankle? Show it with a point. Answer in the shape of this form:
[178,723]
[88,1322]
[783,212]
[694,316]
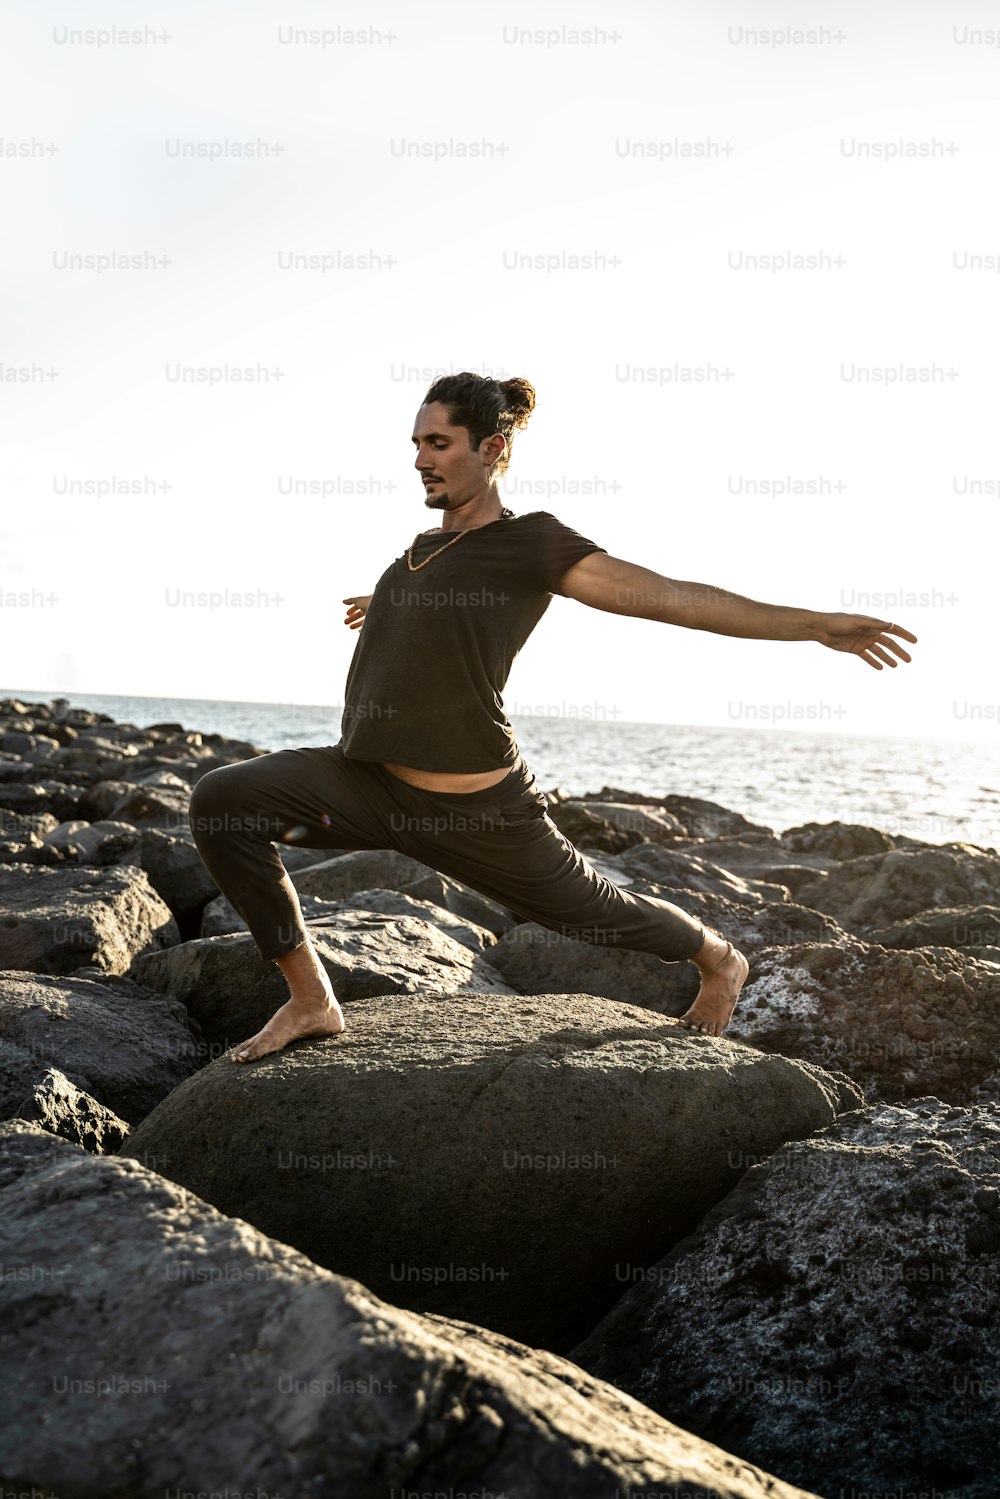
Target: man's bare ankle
[711,952]
[312,997]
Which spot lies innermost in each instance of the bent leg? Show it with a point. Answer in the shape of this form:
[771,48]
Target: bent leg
[308,797]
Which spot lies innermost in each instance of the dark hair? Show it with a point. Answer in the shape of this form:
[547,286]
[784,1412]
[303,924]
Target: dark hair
[485,406]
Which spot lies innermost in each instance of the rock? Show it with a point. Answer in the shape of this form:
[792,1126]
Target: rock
[158,800]
[834,1317]
[64,917]
[98,843]
[176,869]
[231,993]
[371,869]
[127,1051]
[837,840]
[16,825]
[696,817]
[876,890]
[612,826]
[643,819]
[900,1024]
[588,829]
[31,1090]
[792,877]
[537,960]
[483,1156]
[165,1297]
[757,856]
[99,800]
[219,916]
[33,797]
[688,871]
[971,929]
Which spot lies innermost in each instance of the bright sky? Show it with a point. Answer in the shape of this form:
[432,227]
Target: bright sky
[872,147]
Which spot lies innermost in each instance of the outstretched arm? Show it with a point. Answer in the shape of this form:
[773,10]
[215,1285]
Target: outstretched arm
[620,587]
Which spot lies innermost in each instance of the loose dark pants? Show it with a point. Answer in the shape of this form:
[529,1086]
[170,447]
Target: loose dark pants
[499,841]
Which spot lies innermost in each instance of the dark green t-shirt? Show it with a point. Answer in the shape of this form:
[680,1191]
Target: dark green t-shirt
[437,645]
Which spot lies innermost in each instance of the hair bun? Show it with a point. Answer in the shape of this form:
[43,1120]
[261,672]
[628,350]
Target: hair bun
[520,396]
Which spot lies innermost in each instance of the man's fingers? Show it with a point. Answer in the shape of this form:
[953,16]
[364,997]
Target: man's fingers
[882,655]
[893,646]
[898,630]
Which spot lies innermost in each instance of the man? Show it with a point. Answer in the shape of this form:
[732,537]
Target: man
[425,741]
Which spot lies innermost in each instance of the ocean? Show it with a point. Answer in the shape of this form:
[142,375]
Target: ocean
[938,790]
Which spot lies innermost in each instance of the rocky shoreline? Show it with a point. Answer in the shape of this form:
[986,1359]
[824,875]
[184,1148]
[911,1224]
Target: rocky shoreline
[517,1232]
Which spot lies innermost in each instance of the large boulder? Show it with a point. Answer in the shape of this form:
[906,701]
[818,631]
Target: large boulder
[899,1023]
[223,1354]
[835,1317]
[875,890]
[231,993]
[126,1048]
[65,917]
[486,1157]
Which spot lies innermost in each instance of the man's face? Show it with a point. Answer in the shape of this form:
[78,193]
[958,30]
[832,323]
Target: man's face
[443,455]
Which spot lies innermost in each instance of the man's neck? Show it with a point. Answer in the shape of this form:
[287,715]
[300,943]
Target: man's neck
[468,525]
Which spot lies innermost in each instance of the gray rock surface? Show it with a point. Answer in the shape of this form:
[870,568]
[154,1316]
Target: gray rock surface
[970,929]
[58,919]
[537,960]
[93,842]
[127,1050]
[231,993]
[220,916]
[901,1024]
[222,1361]
[685,870]
[698,818]
[486,1157]
[175,869]
[31,1090]
[876,890]
[388,869]
[837,840]
[835,1317]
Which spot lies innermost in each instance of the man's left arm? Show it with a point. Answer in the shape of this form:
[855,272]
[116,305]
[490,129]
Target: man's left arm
[620,587]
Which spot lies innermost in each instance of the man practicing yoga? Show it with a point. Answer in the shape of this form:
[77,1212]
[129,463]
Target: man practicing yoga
[428,763]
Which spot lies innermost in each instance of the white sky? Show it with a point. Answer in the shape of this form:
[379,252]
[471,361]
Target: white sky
[89,584]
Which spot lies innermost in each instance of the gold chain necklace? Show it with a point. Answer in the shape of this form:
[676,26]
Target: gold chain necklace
[409,553]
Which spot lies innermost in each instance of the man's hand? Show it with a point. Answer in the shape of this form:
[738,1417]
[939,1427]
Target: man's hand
[355,616]
[863,636]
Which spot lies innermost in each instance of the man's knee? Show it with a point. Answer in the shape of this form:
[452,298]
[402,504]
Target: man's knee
[211,801]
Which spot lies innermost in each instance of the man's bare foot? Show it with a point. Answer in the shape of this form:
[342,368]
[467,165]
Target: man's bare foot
[321,1016]
[721,982]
